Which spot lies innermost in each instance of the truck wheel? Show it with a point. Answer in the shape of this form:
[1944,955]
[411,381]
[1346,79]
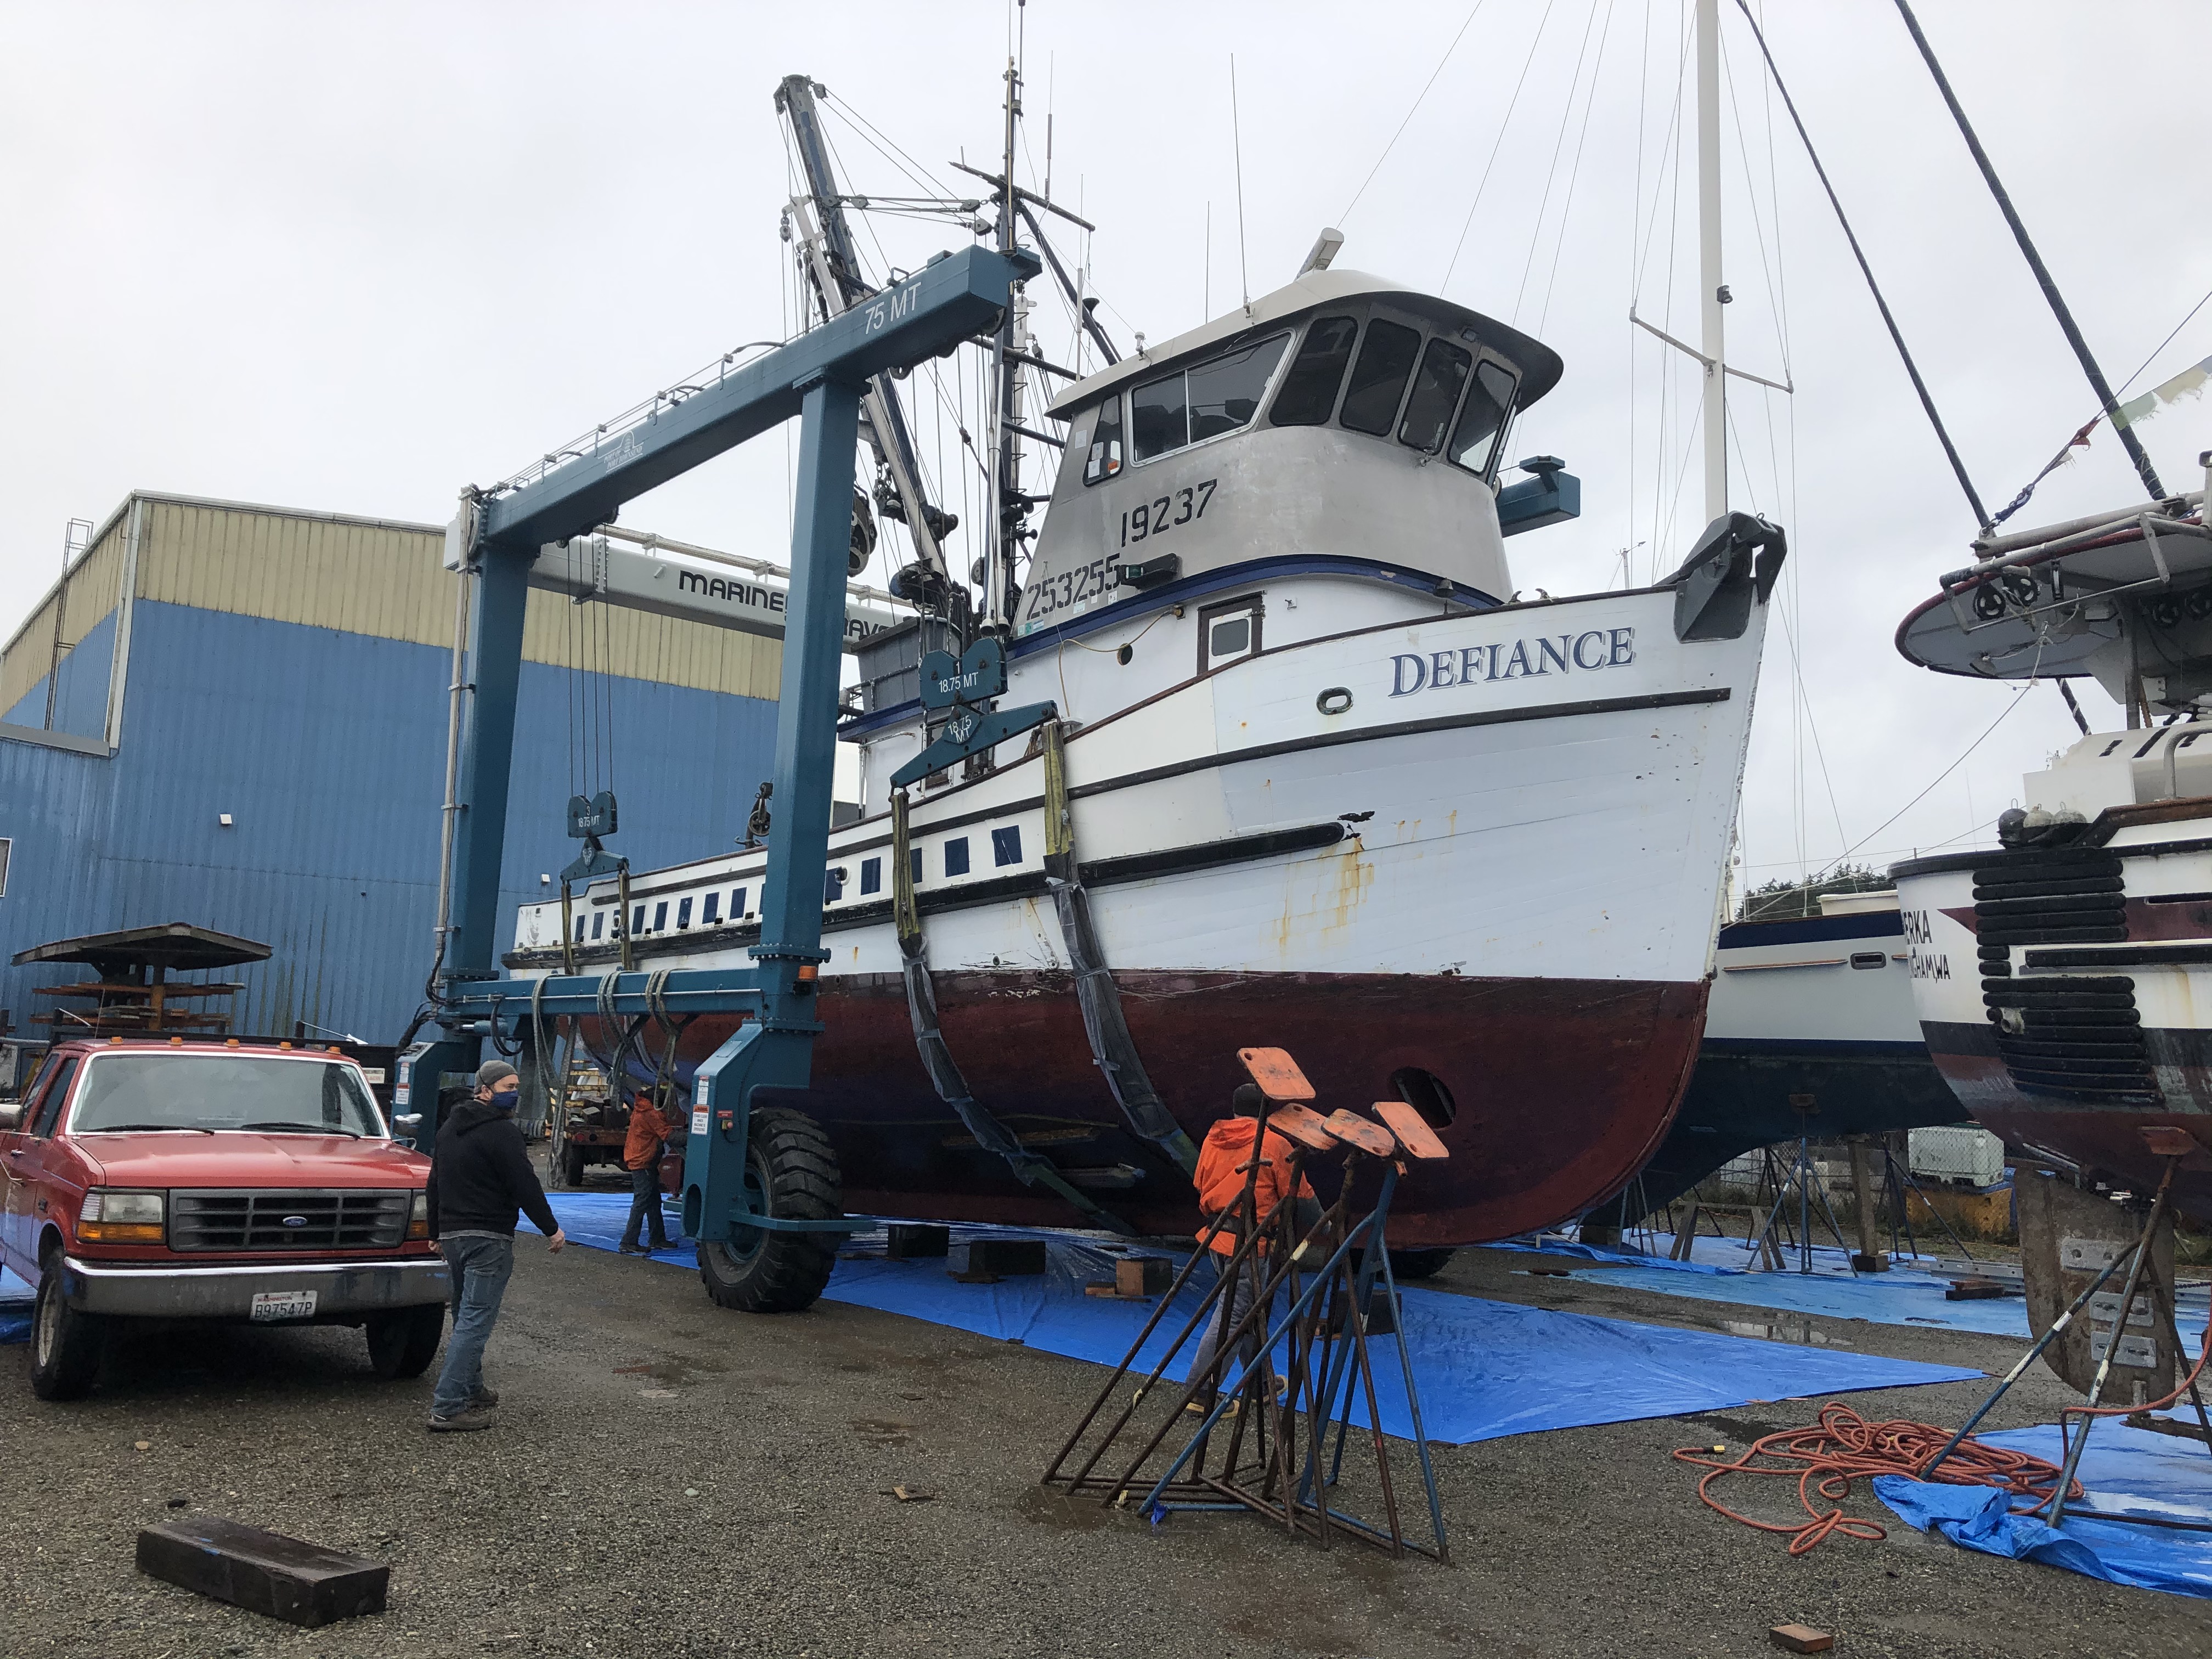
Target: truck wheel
[65,1344]
[402,1343]
[1419,1264]
[571,1166]
[791,1169]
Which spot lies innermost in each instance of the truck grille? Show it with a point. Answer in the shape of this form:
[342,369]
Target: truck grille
[289,1218]
[2074,1035]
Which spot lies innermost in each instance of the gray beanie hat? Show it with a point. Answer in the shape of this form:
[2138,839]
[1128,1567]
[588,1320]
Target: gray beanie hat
[491,1072]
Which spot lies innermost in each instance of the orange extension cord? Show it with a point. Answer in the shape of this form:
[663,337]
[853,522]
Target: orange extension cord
[1844,1447]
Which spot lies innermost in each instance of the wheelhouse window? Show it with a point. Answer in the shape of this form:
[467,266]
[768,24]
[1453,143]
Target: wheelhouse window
[711,912]
[1204,401]
[1443,377]
[1104,460]
[1309,391]
[1227,633]
[1483,422]
[1379,379]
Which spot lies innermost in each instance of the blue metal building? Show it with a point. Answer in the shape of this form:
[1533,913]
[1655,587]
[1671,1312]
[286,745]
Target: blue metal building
[248,732]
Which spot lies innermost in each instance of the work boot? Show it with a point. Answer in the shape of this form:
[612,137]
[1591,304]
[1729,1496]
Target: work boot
[487,1398]
[466,1420]
[631,1249]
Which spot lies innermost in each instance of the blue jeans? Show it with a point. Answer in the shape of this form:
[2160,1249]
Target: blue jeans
[480,1268]
[1236,1302]
[645,1205]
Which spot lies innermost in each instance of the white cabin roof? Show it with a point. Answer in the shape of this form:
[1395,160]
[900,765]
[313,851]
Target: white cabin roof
[1538,364]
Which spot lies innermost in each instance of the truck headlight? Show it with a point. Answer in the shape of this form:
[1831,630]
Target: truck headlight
[109,1217]
[418,1215]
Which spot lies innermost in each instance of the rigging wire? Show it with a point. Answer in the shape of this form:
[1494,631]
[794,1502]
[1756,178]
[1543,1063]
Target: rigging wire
[1503,127]
[1551,170]
[1574,174]
[2018,698]
[1464,23]
[1896,335]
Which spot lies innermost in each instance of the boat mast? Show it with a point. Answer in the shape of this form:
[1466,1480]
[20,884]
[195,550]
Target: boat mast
[1712,293]
[833,265]
[1004,533]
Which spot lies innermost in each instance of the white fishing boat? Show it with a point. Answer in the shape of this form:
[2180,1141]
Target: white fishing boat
[1319,773]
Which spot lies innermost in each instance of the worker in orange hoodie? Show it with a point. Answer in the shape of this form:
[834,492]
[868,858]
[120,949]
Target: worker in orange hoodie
[1223,1164]
[649,1126]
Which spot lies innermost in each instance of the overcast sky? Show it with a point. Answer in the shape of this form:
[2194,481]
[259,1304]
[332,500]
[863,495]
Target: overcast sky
[353,257]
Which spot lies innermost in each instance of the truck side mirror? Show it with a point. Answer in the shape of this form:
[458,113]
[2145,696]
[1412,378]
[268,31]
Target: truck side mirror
[11,1118]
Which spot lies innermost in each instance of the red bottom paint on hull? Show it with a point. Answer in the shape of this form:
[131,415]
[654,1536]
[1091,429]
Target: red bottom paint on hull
[1562,1089]
[2106,1141]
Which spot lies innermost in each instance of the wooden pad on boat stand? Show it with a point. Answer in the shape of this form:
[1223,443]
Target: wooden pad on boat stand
[1412,1129]
[1306,1128]
[1356,1131]
[1277,1074]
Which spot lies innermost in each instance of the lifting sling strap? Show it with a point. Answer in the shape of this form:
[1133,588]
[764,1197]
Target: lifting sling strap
[1112,1048]
[1034,1169]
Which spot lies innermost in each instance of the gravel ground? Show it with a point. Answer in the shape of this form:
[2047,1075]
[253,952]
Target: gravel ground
[669,1480]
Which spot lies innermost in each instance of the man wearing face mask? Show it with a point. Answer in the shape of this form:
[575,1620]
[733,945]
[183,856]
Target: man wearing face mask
[480,1177]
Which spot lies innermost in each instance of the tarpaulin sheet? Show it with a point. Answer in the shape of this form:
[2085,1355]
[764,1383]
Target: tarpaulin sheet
[2125,1471]
[1484,1368]
[15,1299]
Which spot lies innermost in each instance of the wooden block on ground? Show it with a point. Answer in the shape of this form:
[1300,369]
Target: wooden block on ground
[1144,1275]
[1975,1290]
[909,1239]
[1861,1262]
[264,1573]
[1004,1258]
[1801,1638]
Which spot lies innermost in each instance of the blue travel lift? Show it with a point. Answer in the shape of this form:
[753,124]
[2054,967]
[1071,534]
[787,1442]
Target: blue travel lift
[820,377]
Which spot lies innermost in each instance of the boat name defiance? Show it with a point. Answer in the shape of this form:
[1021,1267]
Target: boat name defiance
[1600,648]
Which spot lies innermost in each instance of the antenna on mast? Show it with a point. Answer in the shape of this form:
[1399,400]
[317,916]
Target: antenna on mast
[1236,143]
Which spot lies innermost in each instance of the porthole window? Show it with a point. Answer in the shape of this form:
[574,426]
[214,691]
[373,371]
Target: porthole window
[1425,1093]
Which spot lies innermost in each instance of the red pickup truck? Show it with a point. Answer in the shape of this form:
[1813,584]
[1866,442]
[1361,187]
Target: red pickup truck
[212,1181]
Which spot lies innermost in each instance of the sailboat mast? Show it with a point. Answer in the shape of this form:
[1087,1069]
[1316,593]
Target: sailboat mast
[1711,296]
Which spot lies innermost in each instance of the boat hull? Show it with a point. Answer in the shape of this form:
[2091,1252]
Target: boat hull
[1561,1088]
[1813,1009]
[2139,1051]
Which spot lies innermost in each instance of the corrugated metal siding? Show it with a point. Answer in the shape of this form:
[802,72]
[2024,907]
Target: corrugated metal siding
[387,580]
[93,583]
[327,747]
[81,704]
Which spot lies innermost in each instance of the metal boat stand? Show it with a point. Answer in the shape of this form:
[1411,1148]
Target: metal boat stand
[2171,1145]
[1313,1366]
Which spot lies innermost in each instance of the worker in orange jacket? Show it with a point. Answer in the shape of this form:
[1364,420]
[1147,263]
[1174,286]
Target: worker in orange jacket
[648,1127]
[1224,1163]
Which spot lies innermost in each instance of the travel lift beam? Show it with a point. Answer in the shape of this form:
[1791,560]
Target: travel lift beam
[821,377]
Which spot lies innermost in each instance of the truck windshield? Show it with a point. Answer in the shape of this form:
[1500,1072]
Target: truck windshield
[222,1091]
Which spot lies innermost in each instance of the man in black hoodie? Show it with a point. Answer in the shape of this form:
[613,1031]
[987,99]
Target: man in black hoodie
[480,1175]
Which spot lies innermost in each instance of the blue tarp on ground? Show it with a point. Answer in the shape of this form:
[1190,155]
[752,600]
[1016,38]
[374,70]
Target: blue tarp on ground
[1484,1368]
[15,1299]
[2125,1471]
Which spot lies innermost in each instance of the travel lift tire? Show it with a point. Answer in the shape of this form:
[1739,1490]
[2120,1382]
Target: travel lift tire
[571,1166]
[402,1343]
[65,1344]
[791,1170]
